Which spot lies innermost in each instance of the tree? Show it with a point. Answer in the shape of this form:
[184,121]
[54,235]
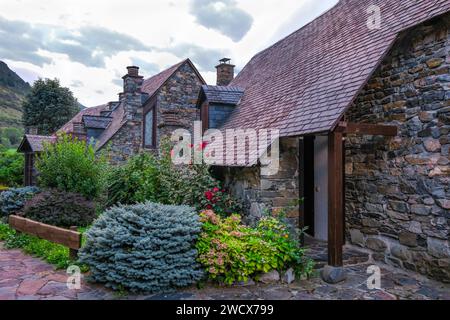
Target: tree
[49,106]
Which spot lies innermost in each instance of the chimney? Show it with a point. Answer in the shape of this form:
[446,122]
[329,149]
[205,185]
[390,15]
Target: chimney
[132,81]
[131,97]
[225,72]
[31,130]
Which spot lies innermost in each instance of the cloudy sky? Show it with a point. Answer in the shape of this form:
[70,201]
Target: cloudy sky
[88,43]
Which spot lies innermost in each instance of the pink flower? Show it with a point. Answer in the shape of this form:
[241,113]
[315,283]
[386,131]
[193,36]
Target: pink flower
[216,189]
[212,270]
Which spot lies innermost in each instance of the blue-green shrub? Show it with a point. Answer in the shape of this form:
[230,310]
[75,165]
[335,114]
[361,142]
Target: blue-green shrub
[144,248]
[13,200]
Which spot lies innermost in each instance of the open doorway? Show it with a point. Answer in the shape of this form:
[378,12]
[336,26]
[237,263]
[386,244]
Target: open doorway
[313,184]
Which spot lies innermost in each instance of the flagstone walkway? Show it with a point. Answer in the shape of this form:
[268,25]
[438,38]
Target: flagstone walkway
[23,277]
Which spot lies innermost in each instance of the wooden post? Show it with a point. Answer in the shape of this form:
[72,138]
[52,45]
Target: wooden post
[73,253]
[335,199]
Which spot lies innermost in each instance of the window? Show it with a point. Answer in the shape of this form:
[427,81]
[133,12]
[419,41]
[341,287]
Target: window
[204,116]
[149,130]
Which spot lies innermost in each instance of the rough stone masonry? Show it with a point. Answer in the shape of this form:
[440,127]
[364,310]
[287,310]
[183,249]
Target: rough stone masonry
[398,189]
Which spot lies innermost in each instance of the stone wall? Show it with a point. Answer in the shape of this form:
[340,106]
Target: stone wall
[261,194]
[176,108]
[177,102]
[126,142]
[398,189]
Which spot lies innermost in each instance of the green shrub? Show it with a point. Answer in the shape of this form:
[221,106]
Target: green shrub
[60,208]
[135,181]
[10,137]
[144,248]
[11,168]
[13,200]
[149,178]
[230,251]
[71,165]
[53,253]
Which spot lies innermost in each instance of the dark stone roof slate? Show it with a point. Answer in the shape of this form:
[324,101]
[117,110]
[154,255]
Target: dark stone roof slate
[222,94]
[305,82]
[96,122]
[35,142]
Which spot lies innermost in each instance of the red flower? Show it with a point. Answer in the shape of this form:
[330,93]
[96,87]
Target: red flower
[203,145]
[209,195]
[216,189]
[208,206]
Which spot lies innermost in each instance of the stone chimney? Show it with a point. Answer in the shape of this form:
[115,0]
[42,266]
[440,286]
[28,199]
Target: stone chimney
[131,96]
[31,130]
[225,72]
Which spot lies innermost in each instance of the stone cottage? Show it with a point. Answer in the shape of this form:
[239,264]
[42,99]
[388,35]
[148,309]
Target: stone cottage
[363,112]
[147,110]
[361,96]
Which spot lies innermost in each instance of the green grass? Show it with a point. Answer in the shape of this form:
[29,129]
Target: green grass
[53,253]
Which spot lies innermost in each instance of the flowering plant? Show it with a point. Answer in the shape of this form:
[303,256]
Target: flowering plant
[231,251]
[220,201]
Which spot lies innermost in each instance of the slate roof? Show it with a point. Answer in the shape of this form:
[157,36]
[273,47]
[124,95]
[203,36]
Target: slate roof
[305,82]
[96,122]
[118,120]
[151,85]
[221,94]
[35,142]
[93,111]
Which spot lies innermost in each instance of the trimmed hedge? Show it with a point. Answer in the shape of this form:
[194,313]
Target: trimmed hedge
[60,208]
[144,248]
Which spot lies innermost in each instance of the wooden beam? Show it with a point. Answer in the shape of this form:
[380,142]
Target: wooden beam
[67,238]
[335,199]
[365,128]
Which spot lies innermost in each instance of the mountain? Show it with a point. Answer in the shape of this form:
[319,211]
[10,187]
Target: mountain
[12,93]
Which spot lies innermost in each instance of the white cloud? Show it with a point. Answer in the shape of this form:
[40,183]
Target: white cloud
[88,44]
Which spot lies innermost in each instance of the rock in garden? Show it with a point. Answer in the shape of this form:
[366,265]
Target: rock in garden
[333,275]
[270,277]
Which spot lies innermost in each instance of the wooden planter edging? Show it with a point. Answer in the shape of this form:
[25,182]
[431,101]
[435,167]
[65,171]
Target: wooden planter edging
[65,237]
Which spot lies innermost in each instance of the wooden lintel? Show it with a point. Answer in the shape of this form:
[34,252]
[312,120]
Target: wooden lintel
[335,198]
[369,129]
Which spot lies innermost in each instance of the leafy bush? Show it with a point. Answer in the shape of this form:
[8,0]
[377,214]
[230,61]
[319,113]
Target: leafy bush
[60,208]
[149,178]
[53,253]
[71,165]
[135,181]
[13,200]
[231,251]
[11,168]
[144,248]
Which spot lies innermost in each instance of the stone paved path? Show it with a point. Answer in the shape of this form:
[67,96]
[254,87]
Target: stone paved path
[23,277]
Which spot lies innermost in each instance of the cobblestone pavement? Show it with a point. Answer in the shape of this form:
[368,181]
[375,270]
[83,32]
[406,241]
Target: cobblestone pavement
[23,277]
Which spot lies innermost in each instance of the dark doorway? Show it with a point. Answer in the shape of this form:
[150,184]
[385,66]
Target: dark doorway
[306,183]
